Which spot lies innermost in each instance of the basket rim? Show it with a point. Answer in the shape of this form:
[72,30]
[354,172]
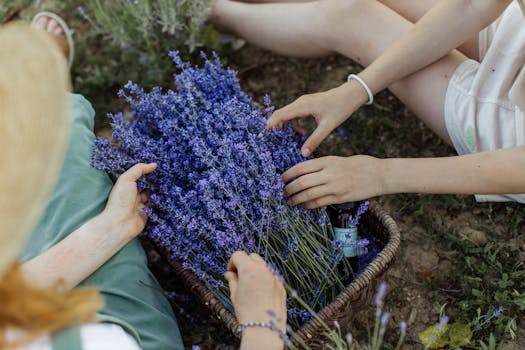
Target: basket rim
[378,266]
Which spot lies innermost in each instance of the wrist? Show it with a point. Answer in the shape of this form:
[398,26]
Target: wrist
[412,175]
[352,90]
[364,85]
[113,227]
[261,338]
[389,174]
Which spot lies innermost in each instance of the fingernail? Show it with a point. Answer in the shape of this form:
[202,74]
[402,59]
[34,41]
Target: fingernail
[261,134]
[305,152]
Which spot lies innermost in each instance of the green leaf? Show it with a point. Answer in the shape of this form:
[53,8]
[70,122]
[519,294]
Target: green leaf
[460,335]
[434,336]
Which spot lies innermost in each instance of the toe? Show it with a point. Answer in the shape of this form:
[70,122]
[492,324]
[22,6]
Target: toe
[52,26]
[58,31]
[41,23]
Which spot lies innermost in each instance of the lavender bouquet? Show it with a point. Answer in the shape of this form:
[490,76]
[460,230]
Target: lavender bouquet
[217,188]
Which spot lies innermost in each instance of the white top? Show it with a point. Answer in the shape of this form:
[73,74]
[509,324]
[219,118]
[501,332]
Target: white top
[96,336]
[517,91]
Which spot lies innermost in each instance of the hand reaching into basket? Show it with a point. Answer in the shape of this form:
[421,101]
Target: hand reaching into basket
[329,109]
[259,299]
[332,180]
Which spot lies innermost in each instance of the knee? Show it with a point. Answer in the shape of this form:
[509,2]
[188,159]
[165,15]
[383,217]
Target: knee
[337,20]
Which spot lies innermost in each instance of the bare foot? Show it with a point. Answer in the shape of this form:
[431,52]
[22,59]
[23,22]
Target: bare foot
[52,27]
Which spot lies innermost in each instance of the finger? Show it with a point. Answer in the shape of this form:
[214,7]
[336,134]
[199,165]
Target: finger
[304,182]
[232,279]
[317,137]
[297,128]
[297,109]
[229,276]
[308,167]
[256,257]
[144,197]
[135,172]
[237,259]
[310,195]
[142,214]
[321,202]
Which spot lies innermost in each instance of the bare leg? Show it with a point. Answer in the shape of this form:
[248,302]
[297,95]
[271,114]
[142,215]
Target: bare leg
[280,27]
[413,10]
[359,29]
[274,1]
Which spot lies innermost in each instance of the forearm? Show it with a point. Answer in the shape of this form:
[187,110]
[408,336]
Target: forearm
[497,172]
[445,27]
[77,256]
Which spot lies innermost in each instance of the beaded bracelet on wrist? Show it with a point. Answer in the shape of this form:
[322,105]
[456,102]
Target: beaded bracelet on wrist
[270,325]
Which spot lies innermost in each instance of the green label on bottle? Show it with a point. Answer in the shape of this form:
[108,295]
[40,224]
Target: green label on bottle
[349,238]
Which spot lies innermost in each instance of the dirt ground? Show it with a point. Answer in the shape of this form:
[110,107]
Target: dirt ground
[419,281]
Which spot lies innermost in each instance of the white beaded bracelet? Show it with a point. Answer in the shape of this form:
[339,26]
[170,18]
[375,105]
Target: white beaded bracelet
[270,325]
[367,89]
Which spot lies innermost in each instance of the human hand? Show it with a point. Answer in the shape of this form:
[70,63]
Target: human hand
[329,109]
[332,180]
[125,206]
[257,295]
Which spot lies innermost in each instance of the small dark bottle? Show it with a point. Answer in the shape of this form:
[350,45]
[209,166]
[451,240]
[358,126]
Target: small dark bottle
[341,216]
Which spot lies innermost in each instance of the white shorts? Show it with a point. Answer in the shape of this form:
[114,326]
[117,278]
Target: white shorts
[479,115]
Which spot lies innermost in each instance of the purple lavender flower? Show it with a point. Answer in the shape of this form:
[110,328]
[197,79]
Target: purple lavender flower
[442,323]
[379,298]
[384,321]
[342,133]
[403,328]
[363,207]
[385,318]
[498,311]
[217,188]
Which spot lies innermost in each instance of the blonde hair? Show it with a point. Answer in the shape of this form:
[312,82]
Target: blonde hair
[34,131]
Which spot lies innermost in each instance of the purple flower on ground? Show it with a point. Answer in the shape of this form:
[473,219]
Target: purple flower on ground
[403,328]
[499,310]
[442,322]
[342,133]
[379,298]
[384,321]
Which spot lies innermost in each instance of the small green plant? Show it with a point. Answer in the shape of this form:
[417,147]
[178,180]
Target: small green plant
[8,8]
[492,278]
[143,24]
[375,341]
[128,40]
[492,344]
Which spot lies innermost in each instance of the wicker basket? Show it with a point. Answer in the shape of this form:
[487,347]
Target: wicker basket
[374,223]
